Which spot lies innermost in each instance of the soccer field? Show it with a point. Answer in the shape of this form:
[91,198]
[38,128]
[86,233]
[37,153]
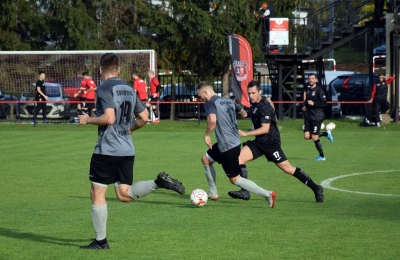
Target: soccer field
[45,206]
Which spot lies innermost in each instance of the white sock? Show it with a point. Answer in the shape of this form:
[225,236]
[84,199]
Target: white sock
[99,218]
[252,187]
[141,189]
[211,176]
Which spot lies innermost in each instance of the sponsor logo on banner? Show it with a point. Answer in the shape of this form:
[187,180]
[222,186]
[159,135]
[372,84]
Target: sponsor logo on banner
[240,68]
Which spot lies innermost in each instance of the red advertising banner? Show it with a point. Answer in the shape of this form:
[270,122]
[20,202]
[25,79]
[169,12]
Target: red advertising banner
[242,67]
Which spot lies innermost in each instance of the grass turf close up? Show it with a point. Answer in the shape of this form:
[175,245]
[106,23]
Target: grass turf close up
[45,208]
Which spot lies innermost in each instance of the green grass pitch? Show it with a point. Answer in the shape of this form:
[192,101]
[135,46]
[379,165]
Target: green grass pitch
[45,208]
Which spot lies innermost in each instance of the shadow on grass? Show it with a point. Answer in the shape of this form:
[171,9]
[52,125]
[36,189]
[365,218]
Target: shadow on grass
[12,233]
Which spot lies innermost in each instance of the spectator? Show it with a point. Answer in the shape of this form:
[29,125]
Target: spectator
[268,12]
[379,97]
[154,92]
[140,86]
[40,96]
[87,94]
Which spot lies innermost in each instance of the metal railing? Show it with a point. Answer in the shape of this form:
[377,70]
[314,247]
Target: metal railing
[323,25]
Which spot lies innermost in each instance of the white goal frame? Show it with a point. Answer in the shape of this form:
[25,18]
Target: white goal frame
[19,69]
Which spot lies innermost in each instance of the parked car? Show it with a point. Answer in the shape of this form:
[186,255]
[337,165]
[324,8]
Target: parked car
[58,106]
[182,94]
[5,108]
[380,50]
[353,87]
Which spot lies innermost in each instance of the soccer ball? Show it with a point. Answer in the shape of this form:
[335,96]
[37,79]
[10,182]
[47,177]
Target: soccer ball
[198,197]
[322,126]
[330,126]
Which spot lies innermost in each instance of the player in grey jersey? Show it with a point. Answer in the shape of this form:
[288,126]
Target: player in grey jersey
[113,157]
[267,143]
[221,117]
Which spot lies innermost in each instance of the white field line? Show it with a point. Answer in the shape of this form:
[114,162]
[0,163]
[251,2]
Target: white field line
[327,183]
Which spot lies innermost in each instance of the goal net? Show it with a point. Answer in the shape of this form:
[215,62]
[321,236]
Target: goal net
[19,69]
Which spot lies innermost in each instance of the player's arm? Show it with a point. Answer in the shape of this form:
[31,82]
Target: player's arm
[40,92]
[264,129]
[141,119]
[304,108]
[91,86]
[373,93]
[389,79]
[211,122]
[319,101]
[108,118]
[240,112]
[271,103]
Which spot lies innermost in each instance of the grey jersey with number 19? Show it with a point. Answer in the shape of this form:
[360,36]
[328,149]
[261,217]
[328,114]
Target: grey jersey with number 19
[115,139]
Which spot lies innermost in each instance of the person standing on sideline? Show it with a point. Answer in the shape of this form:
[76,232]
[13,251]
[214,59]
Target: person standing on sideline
[114,154]
[314,107]
[379,97]
[312,80]
[267,143]
[140,86]
[221,117]
[40,95]
[86,93]
[154,92]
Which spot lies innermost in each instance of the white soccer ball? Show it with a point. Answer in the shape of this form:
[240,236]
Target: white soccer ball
[322,126]
[198,197]
[330,126]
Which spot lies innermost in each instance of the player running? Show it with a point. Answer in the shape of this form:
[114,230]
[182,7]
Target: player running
[267,143]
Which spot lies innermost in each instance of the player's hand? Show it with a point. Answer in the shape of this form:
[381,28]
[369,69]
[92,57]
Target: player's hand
[82,119]
[303,108]
[207,139]
[242,133]
[76,94]
[310,102]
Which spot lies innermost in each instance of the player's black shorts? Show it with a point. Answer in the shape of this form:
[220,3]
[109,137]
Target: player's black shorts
[272,153]
[107,169]
[229,159]
[313,126]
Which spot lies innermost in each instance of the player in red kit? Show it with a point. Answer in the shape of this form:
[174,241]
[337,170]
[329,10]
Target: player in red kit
[154,93]
[140,87]
[86,94]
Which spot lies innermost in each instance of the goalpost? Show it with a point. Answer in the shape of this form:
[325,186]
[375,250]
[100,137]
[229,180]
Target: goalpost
[19,69]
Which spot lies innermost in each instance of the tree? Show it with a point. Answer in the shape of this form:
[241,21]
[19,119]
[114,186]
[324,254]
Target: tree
[19,28]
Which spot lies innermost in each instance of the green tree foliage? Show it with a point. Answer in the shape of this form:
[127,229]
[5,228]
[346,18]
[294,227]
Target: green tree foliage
[186,34]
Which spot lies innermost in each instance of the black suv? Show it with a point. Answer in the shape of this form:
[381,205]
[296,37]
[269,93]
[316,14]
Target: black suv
[353,87]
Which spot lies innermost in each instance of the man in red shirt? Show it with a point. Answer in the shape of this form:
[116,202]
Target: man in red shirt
[379,96]
[154,92]
[140,87]
[86,94]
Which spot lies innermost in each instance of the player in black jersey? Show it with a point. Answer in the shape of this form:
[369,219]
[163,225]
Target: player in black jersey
[268,142]
[312,80]
[314,103]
